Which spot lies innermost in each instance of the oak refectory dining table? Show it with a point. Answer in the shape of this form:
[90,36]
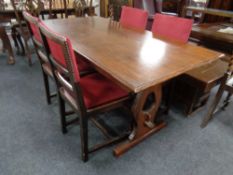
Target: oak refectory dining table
[137,61]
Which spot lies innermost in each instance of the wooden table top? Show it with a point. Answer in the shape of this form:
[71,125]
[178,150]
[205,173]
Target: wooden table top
[136,60]
[210,31]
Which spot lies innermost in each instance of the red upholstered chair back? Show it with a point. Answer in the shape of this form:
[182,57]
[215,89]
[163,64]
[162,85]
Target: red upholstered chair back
[133,18]
[33,26]
[172,27]
[61,56]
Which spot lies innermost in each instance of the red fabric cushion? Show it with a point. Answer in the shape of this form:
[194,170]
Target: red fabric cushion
[172,27]
[133,18]
[57,52]
[98,90]
[35,31]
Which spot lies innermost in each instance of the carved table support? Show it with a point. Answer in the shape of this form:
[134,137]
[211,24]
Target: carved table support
[144,109]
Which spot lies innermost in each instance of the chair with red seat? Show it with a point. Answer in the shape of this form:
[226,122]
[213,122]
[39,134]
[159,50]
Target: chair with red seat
[172,27]
[87,95]
[32,23]
[133,18]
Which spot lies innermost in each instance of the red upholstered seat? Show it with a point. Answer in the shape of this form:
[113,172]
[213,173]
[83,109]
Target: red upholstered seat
[172,27]
[98,90]
[133,18]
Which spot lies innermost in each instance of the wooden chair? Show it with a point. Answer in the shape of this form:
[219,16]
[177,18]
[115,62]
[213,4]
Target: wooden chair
[62,4]
[20,30]
[225,85]
[83,7]
[87,96]
[32,23]
[172,27]
[133,18]
[114,9]
[4,24]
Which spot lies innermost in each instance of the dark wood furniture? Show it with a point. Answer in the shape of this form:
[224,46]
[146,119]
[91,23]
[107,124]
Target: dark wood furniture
[208,11]
[9,13]
[207,35]
[83,8]
[193,88]
[150,6]
[225,85]
[88,96]
[211,11]
[6,44]
[199,82]
[20,30]
[137,61]
[4,24]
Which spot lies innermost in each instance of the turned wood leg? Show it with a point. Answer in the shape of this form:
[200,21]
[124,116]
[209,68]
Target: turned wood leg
[7,45]
[14,37]
[144,109]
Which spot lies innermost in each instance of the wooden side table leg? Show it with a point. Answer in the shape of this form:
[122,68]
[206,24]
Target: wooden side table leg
[7,45]
[144,109]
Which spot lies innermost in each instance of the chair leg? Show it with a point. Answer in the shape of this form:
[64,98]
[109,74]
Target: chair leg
[28,52]
[62,114]
[84,137]
[227,101]
[13,34]
[19,40]
[47,91]
[7,45]
[213,106]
